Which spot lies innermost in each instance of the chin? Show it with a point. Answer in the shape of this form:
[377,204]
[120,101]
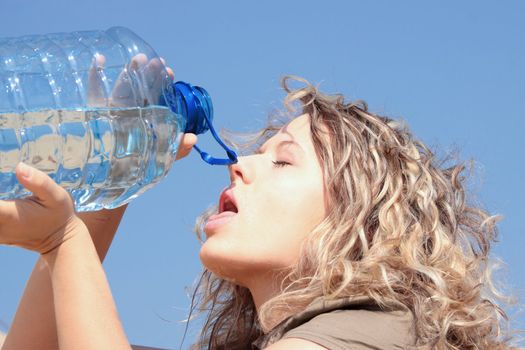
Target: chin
[221,264]
[216,261]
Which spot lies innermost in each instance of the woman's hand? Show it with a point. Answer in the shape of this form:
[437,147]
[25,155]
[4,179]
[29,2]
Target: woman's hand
[126,92]
[151,72]
[41,222]
[102,224]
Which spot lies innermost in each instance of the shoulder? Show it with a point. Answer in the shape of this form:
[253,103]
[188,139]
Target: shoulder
[337,324]
[361,328]
[295,344]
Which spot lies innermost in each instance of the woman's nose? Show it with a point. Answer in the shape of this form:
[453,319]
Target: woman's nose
[240,171]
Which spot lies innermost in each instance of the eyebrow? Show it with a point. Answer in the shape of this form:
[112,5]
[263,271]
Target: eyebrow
[281,144]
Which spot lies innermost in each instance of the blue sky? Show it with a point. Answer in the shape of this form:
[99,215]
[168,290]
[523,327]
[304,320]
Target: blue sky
[455,71]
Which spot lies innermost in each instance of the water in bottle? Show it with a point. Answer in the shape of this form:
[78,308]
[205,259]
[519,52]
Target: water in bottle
[97,112]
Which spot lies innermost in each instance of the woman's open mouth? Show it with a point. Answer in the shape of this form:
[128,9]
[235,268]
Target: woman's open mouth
[227,210]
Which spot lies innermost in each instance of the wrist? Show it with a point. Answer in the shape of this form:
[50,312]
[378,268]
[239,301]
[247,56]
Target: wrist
[102,226]
[103,217]
[76,235]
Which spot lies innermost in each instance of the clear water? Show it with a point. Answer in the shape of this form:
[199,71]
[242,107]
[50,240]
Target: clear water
[103,157]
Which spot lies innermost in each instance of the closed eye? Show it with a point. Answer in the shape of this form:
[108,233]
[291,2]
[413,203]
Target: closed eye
[280,163]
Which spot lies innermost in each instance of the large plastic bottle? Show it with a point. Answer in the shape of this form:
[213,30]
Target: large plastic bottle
[97,111]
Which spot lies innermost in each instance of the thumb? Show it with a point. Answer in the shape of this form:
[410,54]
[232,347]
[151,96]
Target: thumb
[41,185]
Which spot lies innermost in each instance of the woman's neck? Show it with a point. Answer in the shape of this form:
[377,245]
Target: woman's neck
[262,290]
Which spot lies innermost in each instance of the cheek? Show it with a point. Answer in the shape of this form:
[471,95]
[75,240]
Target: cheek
[298,206]
[285,218]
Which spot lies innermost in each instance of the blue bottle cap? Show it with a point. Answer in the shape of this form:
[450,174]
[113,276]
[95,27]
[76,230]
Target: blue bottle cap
[198,105]
[194,102]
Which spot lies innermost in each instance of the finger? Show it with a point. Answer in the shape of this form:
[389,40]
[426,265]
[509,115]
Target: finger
[43,187]
[96,90]
[170,73]
[152,73]
[186,144]
[123,93]
[138,61]
[168,69]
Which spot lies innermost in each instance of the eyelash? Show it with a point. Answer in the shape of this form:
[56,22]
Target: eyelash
[280,163]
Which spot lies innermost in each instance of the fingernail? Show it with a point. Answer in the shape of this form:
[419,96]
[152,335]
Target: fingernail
[25,170]
[100,60]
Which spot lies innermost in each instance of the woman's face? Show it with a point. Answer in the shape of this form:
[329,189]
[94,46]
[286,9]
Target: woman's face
[279,195]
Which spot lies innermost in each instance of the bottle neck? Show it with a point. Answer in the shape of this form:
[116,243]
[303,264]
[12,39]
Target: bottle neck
[194,103]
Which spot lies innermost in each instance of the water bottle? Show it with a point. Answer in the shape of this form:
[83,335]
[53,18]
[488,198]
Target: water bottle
[97,111]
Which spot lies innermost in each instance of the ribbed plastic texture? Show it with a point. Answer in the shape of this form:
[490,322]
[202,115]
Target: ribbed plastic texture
[84,107]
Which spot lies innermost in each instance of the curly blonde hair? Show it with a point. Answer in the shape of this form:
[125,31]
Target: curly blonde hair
[400,229]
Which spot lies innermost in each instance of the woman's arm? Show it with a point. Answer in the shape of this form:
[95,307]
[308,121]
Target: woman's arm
[34,323]
[47,224]
[86,316]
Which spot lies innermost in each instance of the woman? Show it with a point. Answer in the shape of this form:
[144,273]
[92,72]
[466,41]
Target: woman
[339,231]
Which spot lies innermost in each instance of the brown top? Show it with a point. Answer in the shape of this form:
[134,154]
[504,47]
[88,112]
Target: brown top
[347,323]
